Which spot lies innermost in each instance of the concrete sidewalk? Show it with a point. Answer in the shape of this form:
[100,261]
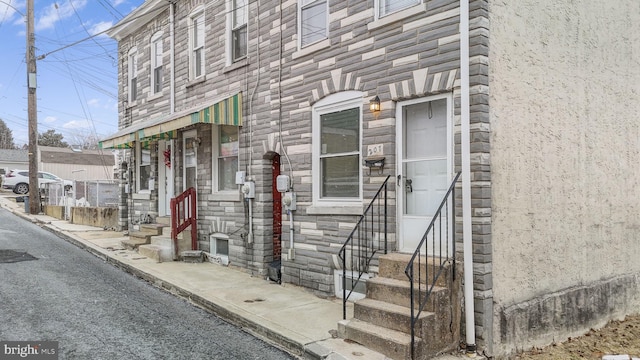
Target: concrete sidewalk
[285,315]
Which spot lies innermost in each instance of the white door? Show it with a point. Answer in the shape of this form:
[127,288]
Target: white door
[424,168]
[165,176]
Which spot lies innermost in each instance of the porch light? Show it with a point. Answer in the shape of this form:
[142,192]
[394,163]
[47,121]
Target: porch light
[374,104]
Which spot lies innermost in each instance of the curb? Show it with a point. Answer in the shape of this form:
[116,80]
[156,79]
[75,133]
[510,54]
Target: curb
[292,347]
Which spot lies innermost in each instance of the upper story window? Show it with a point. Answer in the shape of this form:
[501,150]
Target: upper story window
[132,73]
[156,63]
[336,158]
[237,30]
[196,37]
[313,22]
[386,7]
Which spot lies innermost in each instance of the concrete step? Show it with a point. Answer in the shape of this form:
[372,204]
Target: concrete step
[156,252]
[154,229]
[166,231]
[192,256]
[393,266]
[133,243]
[165,220]
[162,240]
[398,292]
[390,316]
[392,343]
[141,235]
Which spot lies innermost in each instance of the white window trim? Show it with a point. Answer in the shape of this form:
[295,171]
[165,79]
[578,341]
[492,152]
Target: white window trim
[215,146]
[192,134]
[138,165]
[395,16]
[326,28]
[155,38]
[332,103]
[377,8]
[218,258]
[229,33]
[337,284]
[132,71]
[196,13]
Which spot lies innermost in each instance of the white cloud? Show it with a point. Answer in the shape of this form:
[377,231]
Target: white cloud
[93,102]
[8,9]
[118,2]
[101,27]
[50,119]
[56,12]
[77,124]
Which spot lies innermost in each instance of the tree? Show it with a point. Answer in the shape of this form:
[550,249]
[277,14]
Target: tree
[51,138]
[84,141]
[6,136]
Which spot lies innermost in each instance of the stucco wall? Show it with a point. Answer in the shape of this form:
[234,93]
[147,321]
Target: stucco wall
[565,156]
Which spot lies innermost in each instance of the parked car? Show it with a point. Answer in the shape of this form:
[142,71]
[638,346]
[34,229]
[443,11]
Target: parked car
[18,181]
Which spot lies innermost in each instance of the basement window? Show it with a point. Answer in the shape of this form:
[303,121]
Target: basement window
[359,288]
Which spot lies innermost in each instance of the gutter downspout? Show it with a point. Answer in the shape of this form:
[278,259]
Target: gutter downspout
[466,180]
[172,95]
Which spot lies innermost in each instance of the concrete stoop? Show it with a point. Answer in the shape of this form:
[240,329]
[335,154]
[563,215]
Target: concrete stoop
[143,236]
[382,320]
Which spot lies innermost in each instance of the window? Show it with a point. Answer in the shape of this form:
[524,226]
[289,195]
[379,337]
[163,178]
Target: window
[336,150]
[197,44]
[313,21]
[144,168]
[156,63]
[190,153]
[386,7]
[238,24]
[357,287]
[132,69]
[226,157]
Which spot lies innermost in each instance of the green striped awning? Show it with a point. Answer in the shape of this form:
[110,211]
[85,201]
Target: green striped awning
[225,112]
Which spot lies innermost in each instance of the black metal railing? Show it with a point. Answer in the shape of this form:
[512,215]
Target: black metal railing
[367,238]
[429,267]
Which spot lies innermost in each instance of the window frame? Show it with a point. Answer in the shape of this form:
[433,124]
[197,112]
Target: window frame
[334,103]
[301,8]
[157,62]
[216,131]
[132,75]
[197,51]
[189,136]
[379,7]
[139,164]
[233,28]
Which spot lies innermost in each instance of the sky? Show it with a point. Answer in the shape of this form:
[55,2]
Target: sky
[77,85]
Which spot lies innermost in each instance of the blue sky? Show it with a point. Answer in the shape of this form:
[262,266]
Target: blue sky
[77,85]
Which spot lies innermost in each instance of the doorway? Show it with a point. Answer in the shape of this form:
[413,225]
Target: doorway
[425,165]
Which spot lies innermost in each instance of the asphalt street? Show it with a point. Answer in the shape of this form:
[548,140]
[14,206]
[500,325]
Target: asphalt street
[51,290]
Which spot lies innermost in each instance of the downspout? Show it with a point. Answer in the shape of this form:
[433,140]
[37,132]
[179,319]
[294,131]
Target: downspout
[172,75]
[292,252]
[250,235]
[466,179]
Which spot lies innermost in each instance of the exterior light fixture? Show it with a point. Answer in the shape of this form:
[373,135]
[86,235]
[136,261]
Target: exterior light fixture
[374,104]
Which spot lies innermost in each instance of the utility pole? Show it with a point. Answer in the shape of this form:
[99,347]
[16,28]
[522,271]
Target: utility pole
[34,189]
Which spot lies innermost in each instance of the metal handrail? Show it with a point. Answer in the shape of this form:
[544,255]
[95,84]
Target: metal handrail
[361,241]
[439,261]
[183,215]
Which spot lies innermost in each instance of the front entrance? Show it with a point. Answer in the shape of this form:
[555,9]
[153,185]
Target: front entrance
[425,153]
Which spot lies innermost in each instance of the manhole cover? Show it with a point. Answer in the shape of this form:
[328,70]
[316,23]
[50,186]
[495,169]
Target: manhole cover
[12,256]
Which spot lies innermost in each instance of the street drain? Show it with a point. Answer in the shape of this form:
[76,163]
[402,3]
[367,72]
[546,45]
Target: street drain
[13,256]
